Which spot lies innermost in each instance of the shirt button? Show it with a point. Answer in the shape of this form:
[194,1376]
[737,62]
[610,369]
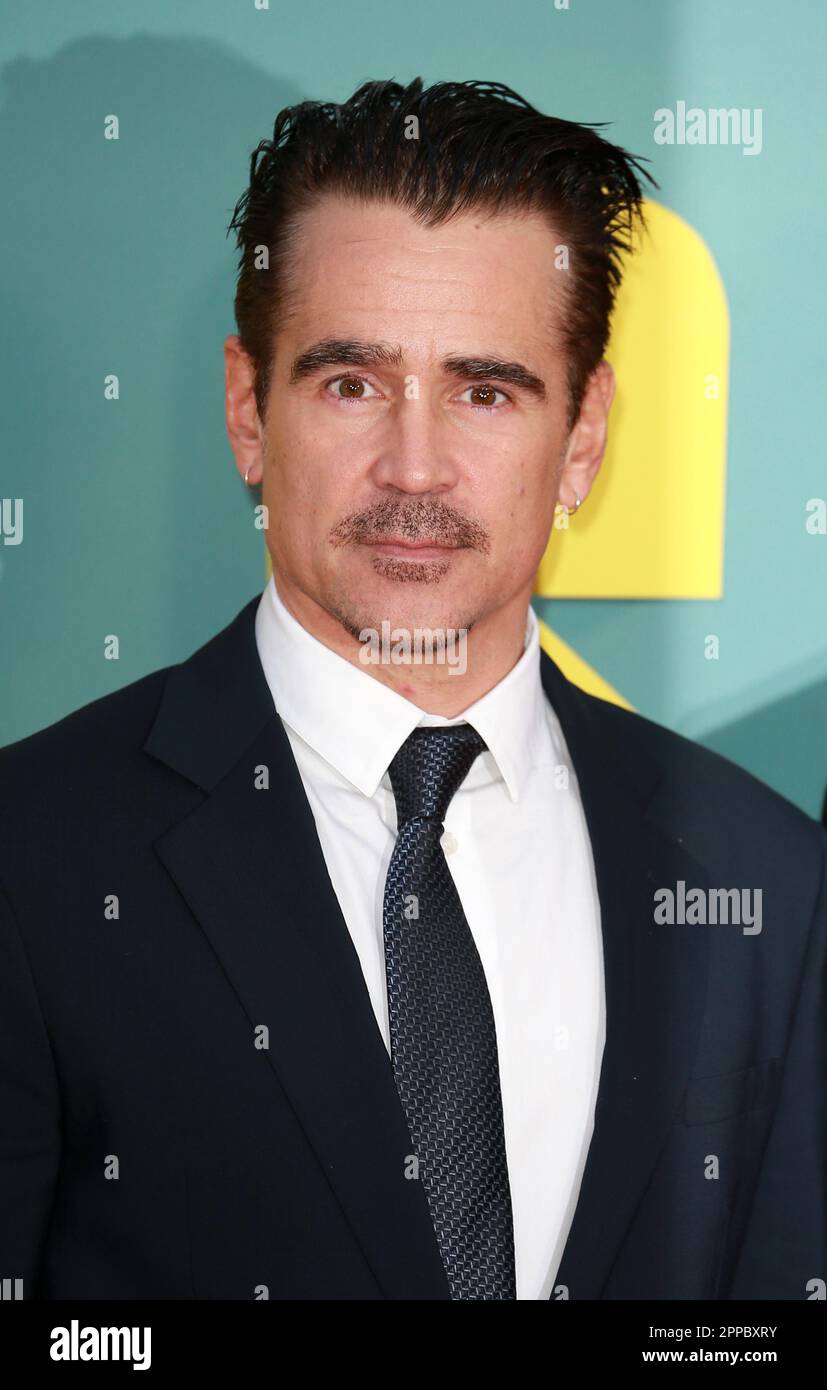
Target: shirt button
[449,842]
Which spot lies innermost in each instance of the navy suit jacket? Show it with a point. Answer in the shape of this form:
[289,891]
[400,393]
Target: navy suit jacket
[162,917]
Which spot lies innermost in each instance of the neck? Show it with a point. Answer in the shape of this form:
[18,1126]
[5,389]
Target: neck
[469,667]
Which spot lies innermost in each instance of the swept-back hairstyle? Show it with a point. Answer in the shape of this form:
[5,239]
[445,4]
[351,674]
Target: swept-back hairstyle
[438,151]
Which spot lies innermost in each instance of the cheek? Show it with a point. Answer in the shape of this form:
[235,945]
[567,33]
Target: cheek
[520,489]
[312,487]
[294,462]
[315,457]
[527,511]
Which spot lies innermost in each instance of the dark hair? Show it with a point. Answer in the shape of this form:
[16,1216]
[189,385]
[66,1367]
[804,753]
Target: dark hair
[479,146]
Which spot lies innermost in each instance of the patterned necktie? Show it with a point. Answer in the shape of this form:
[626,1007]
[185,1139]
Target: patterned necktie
[443,1039]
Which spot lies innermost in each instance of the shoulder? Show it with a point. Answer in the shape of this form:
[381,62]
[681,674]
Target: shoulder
[100,735]
[69,757]
[704,795]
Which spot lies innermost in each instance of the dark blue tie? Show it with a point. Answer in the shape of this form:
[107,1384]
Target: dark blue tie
[443,1039]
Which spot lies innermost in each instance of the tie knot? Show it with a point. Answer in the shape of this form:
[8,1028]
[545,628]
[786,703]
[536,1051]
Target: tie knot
[429,767]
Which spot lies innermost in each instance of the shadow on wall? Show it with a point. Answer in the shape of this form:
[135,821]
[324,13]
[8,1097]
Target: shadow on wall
[118,262]
[769,742]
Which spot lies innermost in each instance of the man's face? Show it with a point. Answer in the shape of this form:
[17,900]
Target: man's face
[386,430]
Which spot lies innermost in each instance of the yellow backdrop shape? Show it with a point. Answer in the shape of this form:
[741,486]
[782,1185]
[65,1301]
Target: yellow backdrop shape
[654,521]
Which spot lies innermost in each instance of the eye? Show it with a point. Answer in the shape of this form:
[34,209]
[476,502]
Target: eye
[350,388]
[484,395]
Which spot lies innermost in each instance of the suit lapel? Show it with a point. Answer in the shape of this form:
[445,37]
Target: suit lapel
[250,866]
[655,977]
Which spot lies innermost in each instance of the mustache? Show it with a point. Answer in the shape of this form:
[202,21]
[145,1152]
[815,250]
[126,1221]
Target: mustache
[424,519]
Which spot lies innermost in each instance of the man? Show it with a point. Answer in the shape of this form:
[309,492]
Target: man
[327,977]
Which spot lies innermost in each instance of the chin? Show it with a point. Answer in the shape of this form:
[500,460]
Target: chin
[361,597]
[410,613]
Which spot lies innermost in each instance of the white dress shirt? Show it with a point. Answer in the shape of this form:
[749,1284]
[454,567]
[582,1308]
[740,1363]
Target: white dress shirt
[518,848]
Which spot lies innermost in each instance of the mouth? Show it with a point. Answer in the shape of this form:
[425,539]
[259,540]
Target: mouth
[411,550]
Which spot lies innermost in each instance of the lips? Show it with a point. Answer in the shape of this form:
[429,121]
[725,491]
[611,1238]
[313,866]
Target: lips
[414,550]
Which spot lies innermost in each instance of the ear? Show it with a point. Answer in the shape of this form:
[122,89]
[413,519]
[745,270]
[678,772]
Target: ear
[587,441]
[244,428]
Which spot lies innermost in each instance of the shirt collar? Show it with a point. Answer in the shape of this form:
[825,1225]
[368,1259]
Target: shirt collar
[357,724]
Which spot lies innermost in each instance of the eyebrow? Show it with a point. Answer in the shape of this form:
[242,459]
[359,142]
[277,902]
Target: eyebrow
[350,352]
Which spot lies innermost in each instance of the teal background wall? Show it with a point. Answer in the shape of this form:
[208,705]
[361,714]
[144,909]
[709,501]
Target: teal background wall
[114,259]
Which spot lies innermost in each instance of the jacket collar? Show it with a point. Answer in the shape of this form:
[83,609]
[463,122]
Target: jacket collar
[248,862]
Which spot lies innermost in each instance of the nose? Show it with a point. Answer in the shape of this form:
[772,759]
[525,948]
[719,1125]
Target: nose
[413,455]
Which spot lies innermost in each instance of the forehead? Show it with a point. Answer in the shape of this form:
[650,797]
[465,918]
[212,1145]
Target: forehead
[371,269]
